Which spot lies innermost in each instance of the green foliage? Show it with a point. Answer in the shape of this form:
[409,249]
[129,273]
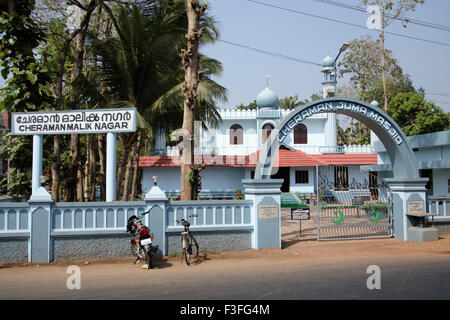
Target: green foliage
[239,195]
[363,61]
[18,150]
[416,116]
[289,102]
[141,66]
[356,134]
[26,86]
[251,106]
[394,86]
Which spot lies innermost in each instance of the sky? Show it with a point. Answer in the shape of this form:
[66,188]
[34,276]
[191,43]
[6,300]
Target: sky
[308,38]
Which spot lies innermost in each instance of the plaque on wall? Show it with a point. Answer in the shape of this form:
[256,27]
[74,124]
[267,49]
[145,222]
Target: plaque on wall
[268,211]
[415,206]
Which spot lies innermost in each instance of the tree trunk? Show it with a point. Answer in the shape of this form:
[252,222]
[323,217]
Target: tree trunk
[102,161]
[92,166]
[70,187]
[86,169]
[127,175]
[56,166]
[190,60]
[383,64]
[128,141]
[351,131]
[80,181]
[136,169]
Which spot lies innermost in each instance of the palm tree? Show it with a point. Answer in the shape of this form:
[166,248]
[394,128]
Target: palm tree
[141,67]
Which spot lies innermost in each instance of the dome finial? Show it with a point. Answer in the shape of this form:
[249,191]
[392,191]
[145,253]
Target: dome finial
[267,80]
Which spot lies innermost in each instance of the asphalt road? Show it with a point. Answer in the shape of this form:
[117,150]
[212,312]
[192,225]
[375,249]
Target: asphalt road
[276,277]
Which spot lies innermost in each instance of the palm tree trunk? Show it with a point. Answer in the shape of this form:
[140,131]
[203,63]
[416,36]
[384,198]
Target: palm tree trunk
[190,60]
[136,169]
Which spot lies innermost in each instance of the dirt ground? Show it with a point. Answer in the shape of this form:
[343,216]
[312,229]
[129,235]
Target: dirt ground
[303,269]
[296,245]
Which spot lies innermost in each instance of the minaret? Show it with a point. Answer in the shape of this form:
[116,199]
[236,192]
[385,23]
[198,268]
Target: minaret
[329,85]
[267,117]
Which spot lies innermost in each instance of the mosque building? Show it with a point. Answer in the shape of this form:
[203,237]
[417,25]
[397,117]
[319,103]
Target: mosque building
[231,150]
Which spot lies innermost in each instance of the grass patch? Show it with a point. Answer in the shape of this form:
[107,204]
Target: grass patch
[294,205]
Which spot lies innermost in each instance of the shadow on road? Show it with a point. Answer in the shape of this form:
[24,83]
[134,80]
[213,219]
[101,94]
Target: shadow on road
[200,259]
[287,243]
[161,263]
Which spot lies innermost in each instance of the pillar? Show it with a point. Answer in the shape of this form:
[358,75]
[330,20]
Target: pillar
[111,138]
[405,190]
[266,212]
[37,162]
[38,193]
[156,201]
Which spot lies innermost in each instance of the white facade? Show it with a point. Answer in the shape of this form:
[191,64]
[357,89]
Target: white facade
[243,132]
[217,140]
[224,180]
[432,153]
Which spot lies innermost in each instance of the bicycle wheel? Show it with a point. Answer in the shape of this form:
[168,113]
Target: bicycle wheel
[195,250]
[185,256]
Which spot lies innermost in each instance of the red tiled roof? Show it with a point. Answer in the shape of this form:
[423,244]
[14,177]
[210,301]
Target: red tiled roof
[284,158]
[349,159]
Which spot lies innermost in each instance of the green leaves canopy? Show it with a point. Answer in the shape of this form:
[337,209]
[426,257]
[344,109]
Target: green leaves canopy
[416,116]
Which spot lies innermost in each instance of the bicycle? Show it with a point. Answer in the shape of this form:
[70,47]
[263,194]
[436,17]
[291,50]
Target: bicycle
[188,241]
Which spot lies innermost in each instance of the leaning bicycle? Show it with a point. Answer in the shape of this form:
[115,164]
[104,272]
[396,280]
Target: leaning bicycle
[189,243]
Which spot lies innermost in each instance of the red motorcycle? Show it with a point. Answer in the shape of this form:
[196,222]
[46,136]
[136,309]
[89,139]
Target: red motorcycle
[142,244]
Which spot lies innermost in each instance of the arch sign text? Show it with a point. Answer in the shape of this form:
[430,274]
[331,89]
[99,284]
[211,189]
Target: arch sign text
[334,106]
[403,160]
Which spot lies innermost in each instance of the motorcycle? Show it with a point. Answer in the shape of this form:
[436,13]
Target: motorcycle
[141,245]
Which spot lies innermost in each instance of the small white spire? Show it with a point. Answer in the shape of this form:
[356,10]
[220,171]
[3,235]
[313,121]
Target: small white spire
[267,80]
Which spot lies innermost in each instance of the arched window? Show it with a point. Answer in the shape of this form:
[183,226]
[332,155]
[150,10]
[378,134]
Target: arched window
[266,131]
[236,134]
[300,134]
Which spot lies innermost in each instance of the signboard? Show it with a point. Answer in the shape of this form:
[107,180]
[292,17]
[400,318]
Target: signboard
[74,121]
[415,206]
[268,211]
[300,214]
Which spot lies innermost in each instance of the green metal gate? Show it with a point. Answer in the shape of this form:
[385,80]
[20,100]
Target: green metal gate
[352,209]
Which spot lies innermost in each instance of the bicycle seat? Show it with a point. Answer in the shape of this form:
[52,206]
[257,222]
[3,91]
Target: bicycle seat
[185,223]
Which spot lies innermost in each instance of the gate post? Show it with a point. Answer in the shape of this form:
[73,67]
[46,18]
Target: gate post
[266,213]
[156,201]
[404,191]
[39,221]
